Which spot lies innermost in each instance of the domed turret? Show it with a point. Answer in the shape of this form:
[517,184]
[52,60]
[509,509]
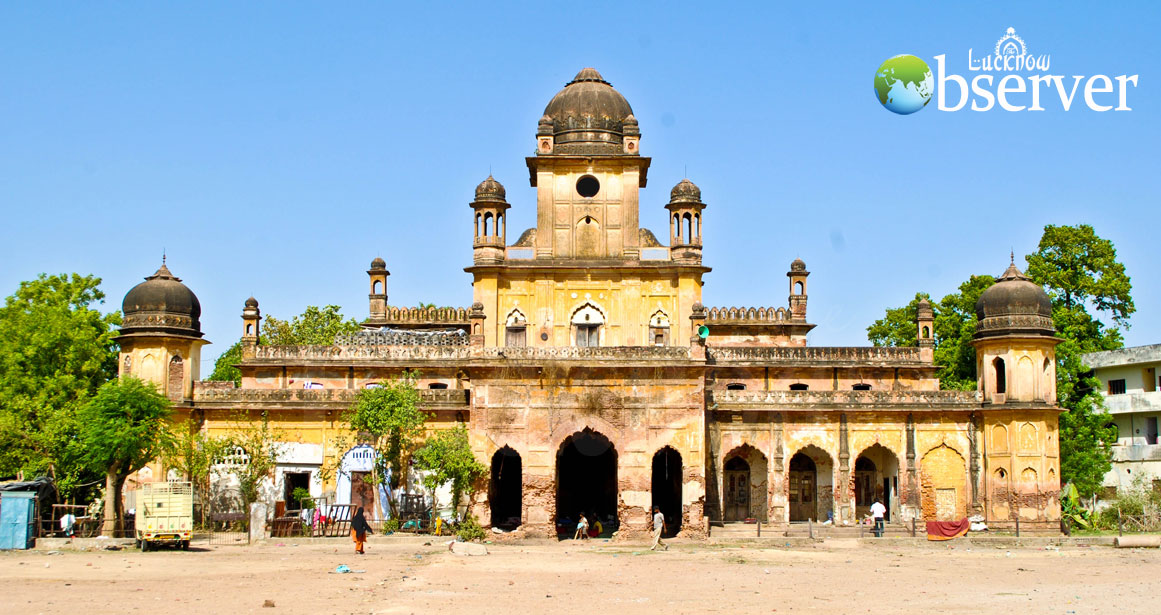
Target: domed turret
[490,190]
[161,304]
[685,192]
[252,302]
[797,265]
[378,264]
[589,117]
[1014,305]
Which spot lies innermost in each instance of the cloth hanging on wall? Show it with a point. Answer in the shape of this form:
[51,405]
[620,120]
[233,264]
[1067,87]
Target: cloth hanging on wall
[946,530]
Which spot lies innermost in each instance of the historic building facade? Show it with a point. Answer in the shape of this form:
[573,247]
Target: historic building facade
[594,379]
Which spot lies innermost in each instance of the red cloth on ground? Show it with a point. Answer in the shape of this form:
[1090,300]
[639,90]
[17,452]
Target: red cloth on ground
[946,530]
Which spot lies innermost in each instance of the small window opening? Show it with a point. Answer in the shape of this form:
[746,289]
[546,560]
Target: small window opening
[735,386]
[861,387]
[588,335]
[437,385]
[249,329]
[588,186]
[1117,387]
[799,387]
[1001,375]
[798,288]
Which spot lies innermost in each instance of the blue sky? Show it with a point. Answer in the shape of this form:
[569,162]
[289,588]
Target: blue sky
[273,149]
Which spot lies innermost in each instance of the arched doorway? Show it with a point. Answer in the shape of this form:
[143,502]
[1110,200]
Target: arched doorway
[744,479]
[876,477]
[810,485]
[506,489]
[586,481]
[667,487]
[943,483]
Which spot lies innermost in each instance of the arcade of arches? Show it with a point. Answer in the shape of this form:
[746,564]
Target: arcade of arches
[594,376]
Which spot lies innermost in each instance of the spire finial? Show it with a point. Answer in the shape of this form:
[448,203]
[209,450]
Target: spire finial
[163,256]
[1012,254]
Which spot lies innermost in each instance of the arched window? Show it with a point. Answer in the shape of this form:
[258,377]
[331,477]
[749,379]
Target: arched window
[488,225]
[587,322]
[688,228]
[676,227]
[1000,375]
[659,328]
[798,288]
[516,330]
[477,225]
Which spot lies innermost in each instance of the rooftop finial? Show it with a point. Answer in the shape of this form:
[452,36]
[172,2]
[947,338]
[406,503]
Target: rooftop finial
[163,256]
[1012,254]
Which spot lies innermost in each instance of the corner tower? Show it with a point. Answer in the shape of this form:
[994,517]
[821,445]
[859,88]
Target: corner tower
[161,335]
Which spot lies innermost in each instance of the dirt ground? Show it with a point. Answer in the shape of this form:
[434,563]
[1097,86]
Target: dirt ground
[404,576]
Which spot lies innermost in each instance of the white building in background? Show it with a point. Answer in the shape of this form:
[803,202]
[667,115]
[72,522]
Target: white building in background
[1129,382]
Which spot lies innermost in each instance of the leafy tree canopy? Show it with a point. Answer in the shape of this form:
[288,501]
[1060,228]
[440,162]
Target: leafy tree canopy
[122,428]
[55,351]
[1077,267]
[447,457]
[388,416]
[955,323]
[314,327]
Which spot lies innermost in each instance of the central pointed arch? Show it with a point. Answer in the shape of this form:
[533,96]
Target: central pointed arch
[586,481]
[505,490]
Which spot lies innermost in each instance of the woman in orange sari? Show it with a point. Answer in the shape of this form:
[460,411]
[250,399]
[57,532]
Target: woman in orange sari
[359,530]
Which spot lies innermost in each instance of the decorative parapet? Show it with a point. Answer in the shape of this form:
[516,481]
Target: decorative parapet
[427,397]
[902,399]
[468,353]
[743,316]
[427,316]
[818,355]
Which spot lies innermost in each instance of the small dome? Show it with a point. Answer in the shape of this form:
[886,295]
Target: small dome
[588,115]
[797,265]
[1014,305]
[685,190]
[924,308]
[161,304]
[251,302]
[378,263]
[490,190]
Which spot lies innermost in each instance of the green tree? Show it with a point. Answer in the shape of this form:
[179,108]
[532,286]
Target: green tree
[1077,267]
[1080,271]
[954,326]
[262,445]
[123,427]
[55,351]
[224,367]
[389,418]
[314,327]
[447,457]
[194,456]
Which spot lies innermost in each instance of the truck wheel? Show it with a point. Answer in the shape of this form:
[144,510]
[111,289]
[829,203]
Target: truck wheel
[145,546]
[185,545]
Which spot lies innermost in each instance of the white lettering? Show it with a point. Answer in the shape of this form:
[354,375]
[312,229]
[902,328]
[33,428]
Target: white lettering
[1003,90]
[1036,81]
[982,92]
[1059,80]
[972,65]
[1124,80]
[1089,90]
[941,93]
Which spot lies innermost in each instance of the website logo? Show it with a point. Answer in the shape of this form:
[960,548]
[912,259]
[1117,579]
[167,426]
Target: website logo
[1009,77]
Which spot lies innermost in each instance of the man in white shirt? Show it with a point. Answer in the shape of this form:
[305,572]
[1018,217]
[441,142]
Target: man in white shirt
[658,527]
[877,513]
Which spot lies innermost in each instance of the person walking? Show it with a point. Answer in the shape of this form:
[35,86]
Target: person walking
[878,511]
[658,528]
[359,530]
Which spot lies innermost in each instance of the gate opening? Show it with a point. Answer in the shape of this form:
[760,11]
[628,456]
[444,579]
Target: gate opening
[667,488]
[586,482]
[506,489]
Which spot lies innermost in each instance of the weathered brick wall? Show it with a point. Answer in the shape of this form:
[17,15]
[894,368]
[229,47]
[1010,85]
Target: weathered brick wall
[941,469]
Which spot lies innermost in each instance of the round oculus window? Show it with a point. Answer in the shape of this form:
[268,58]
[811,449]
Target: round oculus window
[588,186]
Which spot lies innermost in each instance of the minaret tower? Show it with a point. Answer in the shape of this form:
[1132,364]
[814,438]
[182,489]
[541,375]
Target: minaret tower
[489,209]
[685,209]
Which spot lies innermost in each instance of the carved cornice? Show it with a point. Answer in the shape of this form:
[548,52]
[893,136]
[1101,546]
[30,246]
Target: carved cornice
[819,355]
[852,400]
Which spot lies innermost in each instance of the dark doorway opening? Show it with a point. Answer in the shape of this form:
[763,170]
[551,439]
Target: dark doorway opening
[362,492]
[737,476]
[802,479]
[505,490]
[586,482]
[667,488]
[292,481]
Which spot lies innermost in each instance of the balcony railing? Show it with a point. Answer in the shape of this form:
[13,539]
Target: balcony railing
[820,355]
[427,397]
[467,353]
[851,399]
[1125,403]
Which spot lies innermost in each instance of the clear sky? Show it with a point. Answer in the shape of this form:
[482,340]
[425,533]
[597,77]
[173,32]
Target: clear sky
[274,148]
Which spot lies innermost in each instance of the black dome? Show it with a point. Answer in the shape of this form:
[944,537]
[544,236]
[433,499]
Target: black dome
[685,190]
[1014,305]
[161,304]
[490,190]
[588,116]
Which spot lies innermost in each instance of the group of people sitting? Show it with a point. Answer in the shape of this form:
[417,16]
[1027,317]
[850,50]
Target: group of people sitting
[584,529]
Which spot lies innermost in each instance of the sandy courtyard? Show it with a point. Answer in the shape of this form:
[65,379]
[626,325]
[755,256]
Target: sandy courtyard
[404,576]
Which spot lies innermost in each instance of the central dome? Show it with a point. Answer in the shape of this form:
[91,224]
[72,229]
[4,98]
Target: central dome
[1014,305]
[588,116]
[161,305]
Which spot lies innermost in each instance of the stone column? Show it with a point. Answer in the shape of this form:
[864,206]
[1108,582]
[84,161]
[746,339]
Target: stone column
[846,512]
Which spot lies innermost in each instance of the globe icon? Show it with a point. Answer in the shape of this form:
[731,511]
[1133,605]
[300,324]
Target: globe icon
[904,84]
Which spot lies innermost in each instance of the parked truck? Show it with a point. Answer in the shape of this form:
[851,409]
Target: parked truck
[165,515]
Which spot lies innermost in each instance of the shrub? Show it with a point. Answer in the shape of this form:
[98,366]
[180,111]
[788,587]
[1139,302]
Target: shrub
[469,529]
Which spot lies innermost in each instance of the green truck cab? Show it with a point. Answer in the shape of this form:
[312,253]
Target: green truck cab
[165,515]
